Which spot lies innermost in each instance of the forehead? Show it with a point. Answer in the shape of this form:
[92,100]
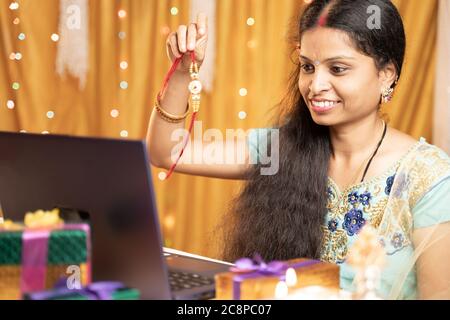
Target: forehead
[324,43]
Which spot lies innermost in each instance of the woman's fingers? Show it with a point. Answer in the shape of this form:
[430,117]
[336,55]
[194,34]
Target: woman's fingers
[181,37]
[173,45]
[202,24]
[192,37]
[189,38]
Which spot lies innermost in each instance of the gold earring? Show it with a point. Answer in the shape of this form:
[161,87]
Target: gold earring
[386,95]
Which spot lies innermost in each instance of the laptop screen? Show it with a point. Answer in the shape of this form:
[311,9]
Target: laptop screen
[110,181]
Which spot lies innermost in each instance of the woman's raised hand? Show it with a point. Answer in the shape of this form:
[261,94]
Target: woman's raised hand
[193,37]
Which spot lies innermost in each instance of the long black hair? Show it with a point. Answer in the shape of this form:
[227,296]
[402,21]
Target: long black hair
[281,216]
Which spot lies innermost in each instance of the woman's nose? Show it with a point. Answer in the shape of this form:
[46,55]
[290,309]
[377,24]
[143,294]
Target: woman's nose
[319,82]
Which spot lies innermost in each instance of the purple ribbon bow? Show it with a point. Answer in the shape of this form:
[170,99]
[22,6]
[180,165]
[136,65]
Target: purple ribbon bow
[257,264]
[94,291]
[246,268]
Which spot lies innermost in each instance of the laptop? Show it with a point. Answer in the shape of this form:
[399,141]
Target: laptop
[108,182]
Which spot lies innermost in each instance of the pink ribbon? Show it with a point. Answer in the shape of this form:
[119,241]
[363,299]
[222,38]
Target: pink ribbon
[35,256]
[34,260]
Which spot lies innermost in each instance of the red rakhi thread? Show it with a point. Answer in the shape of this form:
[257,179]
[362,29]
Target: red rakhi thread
[195,88]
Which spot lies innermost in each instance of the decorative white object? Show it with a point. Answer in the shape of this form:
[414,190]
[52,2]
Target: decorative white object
[367,257]
[291,277]
[73,44]
[281,290]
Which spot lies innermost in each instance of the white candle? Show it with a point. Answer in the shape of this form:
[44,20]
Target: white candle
[281,291]
[291,277]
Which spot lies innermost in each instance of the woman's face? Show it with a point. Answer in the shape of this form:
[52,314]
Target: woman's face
[339,84]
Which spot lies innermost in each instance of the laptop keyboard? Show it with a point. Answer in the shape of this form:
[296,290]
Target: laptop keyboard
[183,280]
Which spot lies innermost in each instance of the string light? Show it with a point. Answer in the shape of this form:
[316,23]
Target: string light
[122,14]
[162,176]
[169,222]
[242,115]
[123,65]
[174,11]
[250,21]
[15,56]
[124,134]
[50,114]
[165,30]
[123,85]
[252,44]
[114,113]
[54,37]
[14,6]
[10,104]
[243,92]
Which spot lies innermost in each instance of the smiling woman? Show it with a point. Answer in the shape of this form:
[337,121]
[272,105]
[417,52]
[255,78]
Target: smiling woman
[340,73]
[341,167]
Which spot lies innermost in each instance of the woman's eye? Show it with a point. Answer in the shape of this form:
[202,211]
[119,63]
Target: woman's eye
[338,70]
[307,68]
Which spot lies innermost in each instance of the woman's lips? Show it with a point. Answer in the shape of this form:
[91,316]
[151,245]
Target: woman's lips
[322,106]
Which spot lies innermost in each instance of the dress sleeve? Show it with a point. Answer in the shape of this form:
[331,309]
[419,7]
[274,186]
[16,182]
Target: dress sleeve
[256,147]
[434,207]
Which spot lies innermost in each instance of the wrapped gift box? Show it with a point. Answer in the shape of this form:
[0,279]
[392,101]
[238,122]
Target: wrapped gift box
[35,259]
[262,284]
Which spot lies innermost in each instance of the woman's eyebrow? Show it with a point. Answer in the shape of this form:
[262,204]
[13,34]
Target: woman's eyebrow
[330,59]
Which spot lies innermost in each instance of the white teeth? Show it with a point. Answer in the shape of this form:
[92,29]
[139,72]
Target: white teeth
[323,104]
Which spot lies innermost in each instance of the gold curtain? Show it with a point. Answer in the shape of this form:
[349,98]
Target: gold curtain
[252,57]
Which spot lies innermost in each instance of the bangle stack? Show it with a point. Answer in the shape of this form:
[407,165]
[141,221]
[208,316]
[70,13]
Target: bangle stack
[168,117]
[195,89]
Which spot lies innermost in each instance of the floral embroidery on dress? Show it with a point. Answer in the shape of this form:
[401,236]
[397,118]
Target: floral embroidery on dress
[353,198]
[332,225]
[389,184]
[403,181]
[397,240]
[365,198]
[330,193]
[350,209]
[353,222]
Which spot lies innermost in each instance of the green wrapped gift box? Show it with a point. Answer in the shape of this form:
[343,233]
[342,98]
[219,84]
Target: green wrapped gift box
[33,260]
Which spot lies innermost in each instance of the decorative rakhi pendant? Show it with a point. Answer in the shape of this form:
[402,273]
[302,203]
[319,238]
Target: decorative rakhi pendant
[195,87]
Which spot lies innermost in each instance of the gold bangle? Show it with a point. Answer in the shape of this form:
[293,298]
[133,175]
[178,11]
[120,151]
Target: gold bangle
[170,117]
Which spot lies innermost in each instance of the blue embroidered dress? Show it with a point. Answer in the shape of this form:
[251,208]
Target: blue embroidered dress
[365,203]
